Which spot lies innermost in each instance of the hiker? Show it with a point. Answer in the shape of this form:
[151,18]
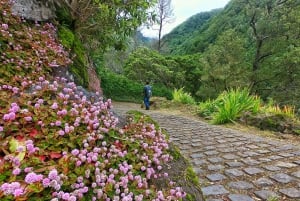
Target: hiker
[147,95]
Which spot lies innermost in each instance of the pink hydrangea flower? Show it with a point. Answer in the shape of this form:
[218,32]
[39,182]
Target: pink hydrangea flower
[16,171]
[33,177]
[4,26]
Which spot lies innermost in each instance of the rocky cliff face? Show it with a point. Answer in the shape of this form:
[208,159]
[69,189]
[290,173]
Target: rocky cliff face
[37,10]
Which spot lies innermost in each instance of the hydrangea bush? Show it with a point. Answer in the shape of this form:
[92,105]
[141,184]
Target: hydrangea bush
[56,144]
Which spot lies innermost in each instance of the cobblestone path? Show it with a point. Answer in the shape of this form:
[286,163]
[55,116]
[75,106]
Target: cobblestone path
[233,165]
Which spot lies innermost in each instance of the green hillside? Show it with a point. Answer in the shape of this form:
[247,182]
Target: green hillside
[186,31]
[221,20]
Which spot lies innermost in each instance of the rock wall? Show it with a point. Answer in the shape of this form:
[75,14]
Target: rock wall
[37,10]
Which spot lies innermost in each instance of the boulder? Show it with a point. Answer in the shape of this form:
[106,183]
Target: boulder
[36,10]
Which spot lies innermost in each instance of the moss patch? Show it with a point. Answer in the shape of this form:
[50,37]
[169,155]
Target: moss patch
[80,63]
[66,37]
[79,67]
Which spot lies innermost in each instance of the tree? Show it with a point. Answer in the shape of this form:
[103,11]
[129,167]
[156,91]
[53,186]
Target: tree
[273,24]
[146,64]
[105,23]
[164,15]
[225,65]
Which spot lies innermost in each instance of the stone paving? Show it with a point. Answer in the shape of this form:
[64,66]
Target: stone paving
[233,165]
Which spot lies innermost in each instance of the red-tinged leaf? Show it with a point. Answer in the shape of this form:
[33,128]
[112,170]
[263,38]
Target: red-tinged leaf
[118,145]
[42,158]
[33,133]
[20,137]
[55,155]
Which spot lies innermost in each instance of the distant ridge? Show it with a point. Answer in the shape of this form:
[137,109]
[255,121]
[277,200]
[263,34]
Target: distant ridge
[187,30]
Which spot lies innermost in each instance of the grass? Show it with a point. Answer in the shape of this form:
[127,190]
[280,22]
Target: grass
[192,176]
[273,199]
[286,110]
[175,153]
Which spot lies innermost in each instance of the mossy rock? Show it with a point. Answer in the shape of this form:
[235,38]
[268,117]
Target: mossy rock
[80,62]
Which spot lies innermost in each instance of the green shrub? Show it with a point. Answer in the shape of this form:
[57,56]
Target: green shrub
[233,104]
[64,17]
[230,105]
[208,107]
[179,96]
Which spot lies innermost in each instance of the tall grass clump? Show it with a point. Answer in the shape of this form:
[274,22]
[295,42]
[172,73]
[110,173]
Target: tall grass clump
[207,108]
[272,108]
[230,105]
[179,96]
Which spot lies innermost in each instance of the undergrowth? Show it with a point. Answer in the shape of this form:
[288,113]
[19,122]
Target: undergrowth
[179,96]
[230,105]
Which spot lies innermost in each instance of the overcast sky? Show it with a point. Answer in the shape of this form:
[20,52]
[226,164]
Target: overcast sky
[183,9]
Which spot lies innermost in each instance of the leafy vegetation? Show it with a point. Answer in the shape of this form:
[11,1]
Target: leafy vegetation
[273,108]
[239,106]
[230,105]
[121,88]
[167,71]
[103,24]
[179,96]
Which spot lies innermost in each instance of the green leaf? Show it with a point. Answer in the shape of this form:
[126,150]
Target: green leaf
[13,145]
[4,175]
[21,155]
[36,188]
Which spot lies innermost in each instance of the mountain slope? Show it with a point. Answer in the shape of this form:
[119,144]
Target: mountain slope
[207,32]
[187,30]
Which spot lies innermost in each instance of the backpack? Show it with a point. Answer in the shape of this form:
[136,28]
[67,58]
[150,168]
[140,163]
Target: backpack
[148,91]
